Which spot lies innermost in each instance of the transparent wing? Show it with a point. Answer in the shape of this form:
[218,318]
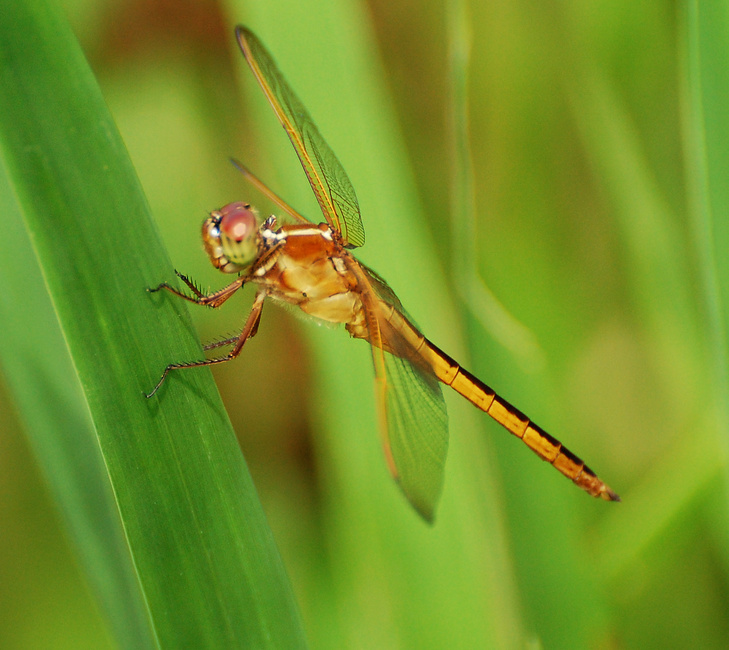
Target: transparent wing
[417,430]
[328,180]
[414,420]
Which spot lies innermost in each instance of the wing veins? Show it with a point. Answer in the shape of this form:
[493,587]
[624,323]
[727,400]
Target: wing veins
[328,180]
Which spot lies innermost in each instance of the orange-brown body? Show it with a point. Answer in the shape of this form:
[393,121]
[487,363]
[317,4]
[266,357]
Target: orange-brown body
[314,272]
[309,271]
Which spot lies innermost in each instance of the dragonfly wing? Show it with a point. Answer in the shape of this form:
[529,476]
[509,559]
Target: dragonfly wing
[328,180]
[413,417]
[417,431]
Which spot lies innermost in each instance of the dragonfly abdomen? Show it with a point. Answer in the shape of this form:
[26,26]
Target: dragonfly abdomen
[539,441]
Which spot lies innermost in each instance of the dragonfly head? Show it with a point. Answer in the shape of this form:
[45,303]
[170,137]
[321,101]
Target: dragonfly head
[231,237]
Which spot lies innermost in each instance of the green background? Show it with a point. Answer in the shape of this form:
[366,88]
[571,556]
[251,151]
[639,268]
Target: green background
[565,242]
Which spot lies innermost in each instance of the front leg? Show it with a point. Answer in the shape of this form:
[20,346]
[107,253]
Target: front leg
[214,300]
[249,330]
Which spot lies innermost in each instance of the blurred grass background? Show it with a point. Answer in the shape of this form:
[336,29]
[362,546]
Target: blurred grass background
[583,228]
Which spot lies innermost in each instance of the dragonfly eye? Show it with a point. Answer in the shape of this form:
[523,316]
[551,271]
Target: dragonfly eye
[231,237]
[237,222]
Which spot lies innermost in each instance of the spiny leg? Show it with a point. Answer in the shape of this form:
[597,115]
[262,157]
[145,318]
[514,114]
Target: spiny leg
[214,300]
[249,330]
[229,341]
[223,342]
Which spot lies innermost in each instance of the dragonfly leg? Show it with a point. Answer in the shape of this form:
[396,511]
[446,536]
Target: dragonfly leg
[220,344]
[214,300]
[232,339]
[249,329]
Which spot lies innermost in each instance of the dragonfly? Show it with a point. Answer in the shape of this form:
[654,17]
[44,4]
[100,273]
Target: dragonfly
[311,266]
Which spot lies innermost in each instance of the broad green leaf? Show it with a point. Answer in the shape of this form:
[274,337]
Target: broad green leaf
[155,492]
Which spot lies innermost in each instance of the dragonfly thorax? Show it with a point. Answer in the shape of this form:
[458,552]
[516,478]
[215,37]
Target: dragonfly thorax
[232,237]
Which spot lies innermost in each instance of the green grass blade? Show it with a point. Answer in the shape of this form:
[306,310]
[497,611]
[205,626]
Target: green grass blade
[707,142]
[48,396]
[208,571]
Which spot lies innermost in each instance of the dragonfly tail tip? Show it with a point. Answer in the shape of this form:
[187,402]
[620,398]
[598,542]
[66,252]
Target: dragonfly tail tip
[609,495]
